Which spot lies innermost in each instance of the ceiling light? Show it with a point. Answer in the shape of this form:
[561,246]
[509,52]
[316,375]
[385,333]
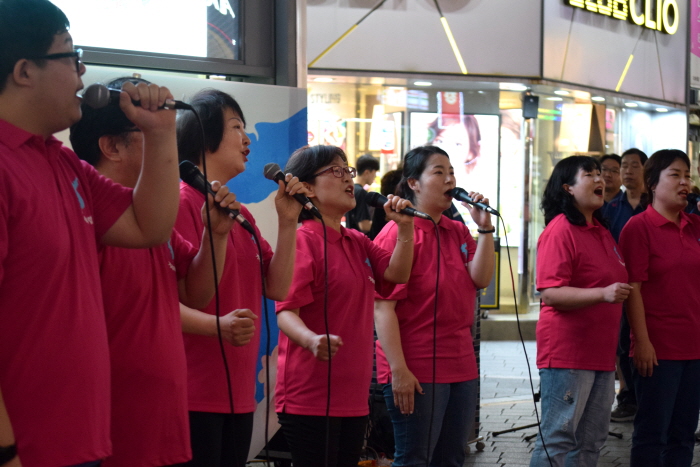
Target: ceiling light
[661,109]
[598,99]
[323,79]
[554,99]
[561,93]
[422,83]
[631,104]
[512,87]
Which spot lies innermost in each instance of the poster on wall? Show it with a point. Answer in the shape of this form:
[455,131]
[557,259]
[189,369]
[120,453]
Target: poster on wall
[472,143]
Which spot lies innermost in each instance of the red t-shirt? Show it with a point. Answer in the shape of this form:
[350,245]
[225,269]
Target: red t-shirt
[665,259]
[355,268]
[415,306]
[150,424]
[240,287]
[54,359]
[583,257]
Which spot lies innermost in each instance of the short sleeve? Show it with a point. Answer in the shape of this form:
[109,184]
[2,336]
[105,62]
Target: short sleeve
[555,257]
[634,246]
[386,240]
[189,217]
[469,240]
[301,290]
[184,253]
[109,199]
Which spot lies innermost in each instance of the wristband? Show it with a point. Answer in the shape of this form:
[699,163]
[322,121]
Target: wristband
[404,241]
[7,453]
[493,229]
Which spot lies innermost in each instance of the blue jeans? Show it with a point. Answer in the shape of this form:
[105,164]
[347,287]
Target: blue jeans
[668,403]
[455,408]
[575,416]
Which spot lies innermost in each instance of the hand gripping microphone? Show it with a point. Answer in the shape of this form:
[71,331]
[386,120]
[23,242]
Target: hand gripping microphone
[376,200]
[462,195]
[190,174]
[98,96]
[273,172]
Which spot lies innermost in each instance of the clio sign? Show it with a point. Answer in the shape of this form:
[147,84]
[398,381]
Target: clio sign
[661,15]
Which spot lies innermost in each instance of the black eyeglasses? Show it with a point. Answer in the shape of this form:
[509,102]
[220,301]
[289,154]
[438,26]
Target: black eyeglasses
[338,171]
[77,54]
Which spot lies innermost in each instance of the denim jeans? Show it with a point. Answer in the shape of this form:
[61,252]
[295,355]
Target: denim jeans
[668,403]
[455,408]
[575,416]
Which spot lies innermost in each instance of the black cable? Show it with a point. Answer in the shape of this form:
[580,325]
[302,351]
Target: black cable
[267,348]
[328,341]
[435,308]
[522,341]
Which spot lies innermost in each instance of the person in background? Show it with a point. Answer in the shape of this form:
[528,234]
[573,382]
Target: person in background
[356,269]
[404,319]
[54,212]
[583,282]
[219,435]
[140,295]
[661,250]
[610,168]
[618,212]
[360,217]
[388,187]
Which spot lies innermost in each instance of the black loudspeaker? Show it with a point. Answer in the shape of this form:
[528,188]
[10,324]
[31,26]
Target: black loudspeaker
[531,105]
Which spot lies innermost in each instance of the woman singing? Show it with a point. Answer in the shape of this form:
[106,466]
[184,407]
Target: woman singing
[404,319]
[356,268]
[582,279]
[661,247]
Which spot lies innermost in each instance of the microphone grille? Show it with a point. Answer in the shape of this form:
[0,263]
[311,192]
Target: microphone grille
[96,96]
[270,170]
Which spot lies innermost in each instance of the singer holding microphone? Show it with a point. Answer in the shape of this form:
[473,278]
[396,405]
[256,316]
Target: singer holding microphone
[583,282]
[407,349]
[356,268]
[220,437]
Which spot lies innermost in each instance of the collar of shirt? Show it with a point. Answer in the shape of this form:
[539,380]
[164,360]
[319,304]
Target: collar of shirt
[658,220]
[14,137]
[317,227]
[426,225]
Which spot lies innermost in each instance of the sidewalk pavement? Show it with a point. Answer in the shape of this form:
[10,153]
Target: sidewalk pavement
[506,402]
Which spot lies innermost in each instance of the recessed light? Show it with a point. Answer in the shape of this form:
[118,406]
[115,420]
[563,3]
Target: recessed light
[323,79]
[561,93]
[661,109]
[554,99]
[598,99]
[422,83]
[631,104]
[513,87]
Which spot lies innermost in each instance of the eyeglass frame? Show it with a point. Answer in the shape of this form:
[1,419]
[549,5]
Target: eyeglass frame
[77,54]
[613,171]
[352,171]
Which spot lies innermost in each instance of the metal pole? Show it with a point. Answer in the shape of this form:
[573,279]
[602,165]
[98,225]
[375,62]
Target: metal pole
[524,263]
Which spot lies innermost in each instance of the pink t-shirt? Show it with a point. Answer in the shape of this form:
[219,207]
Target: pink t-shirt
[54,359]
[150,424]
[355,268]
[666,259]
[583,257]
[415,304]
[240,287]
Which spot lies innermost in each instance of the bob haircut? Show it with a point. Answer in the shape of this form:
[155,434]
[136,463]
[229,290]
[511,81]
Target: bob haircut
[556,200]
[658,162]
[210,105]
[306,161]
[414,163]
[27,29]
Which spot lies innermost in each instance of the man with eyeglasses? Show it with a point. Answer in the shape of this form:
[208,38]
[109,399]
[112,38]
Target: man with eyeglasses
[610,169]
[54,211]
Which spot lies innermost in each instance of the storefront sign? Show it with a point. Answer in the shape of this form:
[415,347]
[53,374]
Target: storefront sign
[661,15]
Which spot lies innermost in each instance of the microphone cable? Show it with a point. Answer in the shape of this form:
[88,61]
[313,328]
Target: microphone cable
[435,308]
[328,341]
[522,341]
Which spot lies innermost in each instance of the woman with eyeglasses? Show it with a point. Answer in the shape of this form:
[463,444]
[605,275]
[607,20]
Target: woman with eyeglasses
[356,268]
[661,247]
[406,318]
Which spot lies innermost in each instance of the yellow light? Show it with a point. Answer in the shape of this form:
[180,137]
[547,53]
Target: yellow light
[624,73]
[328,49]
[455,49]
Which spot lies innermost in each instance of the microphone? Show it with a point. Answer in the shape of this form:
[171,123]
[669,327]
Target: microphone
[98,96]
[376,200]
[462,195]
[273,172]
[190,174]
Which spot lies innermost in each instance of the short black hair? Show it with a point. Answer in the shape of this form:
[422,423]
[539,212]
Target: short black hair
[210,105]
[556,200]
[389,182]
[306,161]
[642,155]
[613,157]
[27,29]
[659,161]
[414,163]
[366,162]
[85,134]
